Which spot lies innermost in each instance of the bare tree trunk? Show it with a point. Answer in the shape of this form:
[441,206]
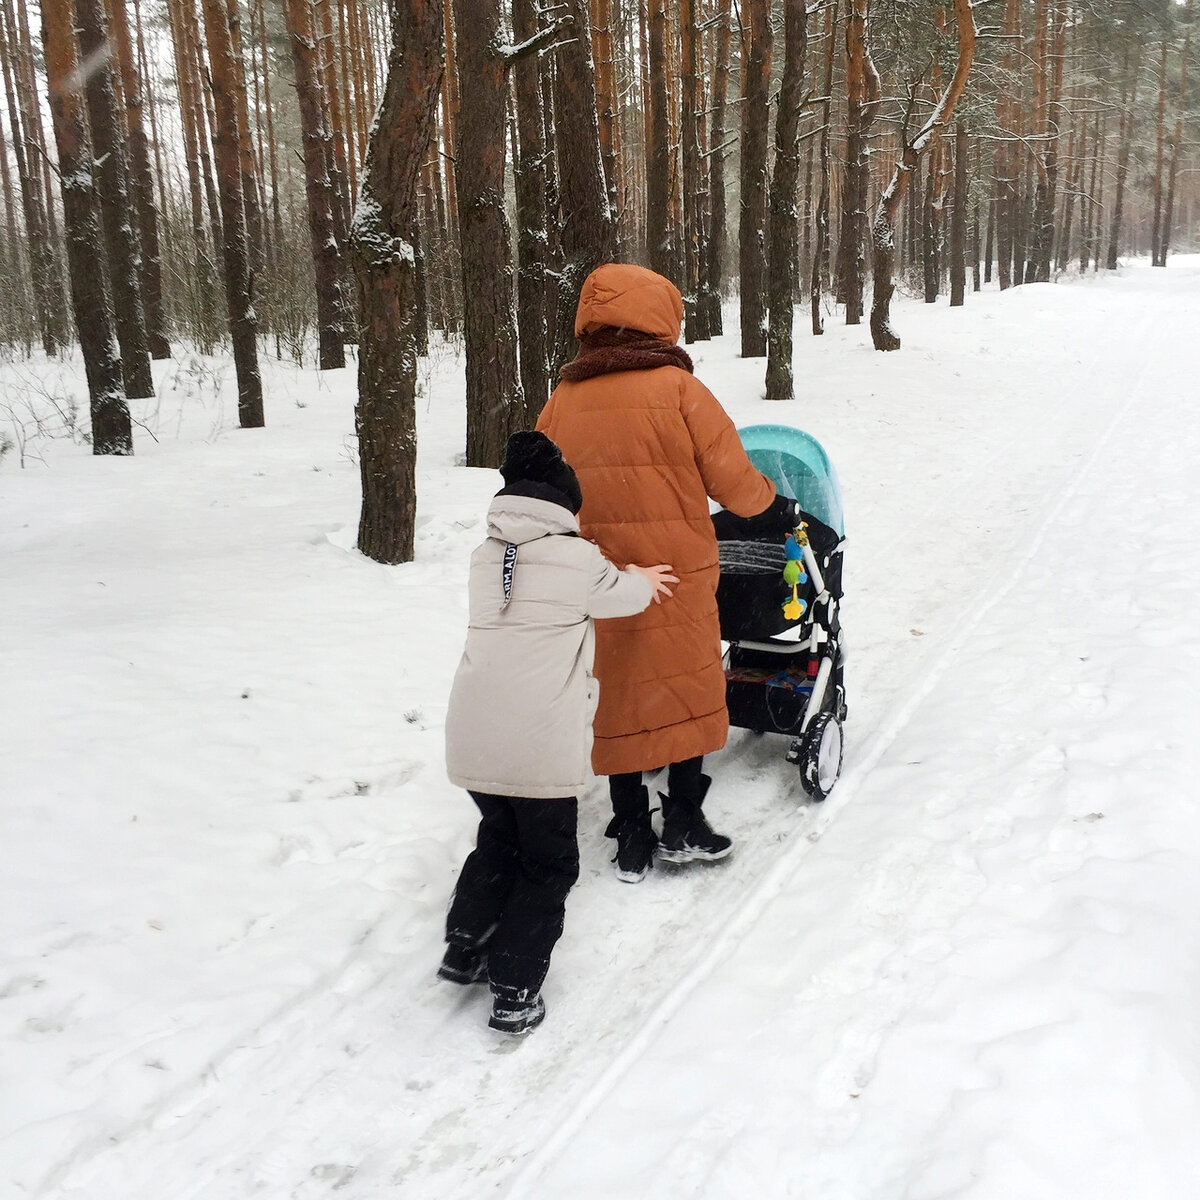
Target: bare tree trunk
[116,209]
[1156,258]
[820,265]
[958,219]
[141,181]
[250,199]
[41,264]
[930,265]
[495,401]
[1176,146]
[601,24]
[862,100]
[530,181]
[1128,103]
[717,206]
[695,314]
[111,429]
[658,153]
[752,224]
[385,417]
[319,189]
[242,321]
[586,228]
[1006,154]
[781,285]
[884,233]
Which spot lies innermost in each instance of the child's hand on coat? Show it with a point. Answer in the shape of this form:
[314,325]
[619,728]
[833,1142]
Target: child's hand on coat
[658,578]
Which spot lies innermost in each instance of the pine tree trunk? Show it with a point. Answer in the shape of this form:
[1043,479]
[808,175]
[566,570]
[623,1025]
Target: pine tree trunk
[141,181]
[111,429]
[32,206]
[752,223]
[385,417]
[250,195]
[820,265]
[1128,103]
[781,285]
[242,321]
[586,227]
[958,219]
[123,251]
[717,205]
[495,402]
[606,104]
[1156,258]
[658,153]
[929,232]
[318,186]
[862,98]
[530,181]
[1176,146]
[695,314]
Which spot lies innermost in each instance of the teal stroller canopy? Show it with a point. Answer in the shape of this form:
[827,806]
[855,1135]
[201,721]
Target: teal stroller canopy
[800,469]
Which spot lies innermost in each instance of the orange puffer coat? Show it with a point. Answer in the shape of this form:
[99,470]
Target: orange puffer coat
[650,447]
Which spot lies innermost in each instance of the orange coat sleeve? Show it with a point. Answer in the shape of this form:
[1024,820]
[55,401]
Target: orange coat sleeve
[729,476]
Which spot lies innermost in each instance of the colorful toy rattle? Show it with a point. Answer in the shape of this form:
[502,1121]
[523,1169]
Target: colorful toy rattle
[793,572]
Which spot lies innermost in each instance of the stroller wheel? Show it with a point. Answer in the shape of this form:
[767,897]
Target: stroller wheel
[820,757]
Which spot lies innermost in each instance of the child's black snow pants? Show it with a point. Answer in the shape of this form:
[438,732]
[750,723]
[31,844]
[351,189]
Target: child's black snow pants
[512,891]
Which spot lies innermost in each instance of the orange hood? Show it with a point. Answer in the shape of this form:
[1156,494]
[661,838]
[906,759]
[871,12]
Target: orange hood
[629,297]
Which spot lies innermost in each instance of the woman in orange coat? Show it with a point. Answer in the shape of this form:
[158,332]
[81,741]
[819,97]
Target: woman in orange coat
[650,444]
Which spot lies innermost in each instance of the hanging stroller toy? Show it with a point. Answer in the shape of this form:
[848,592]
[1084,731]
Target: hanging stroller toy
[778,601]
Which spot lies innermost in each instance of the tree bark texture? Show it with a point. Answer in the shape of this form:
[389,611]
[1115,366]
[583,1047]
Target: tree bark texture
[111,429]
[242,320]
[117,211]
[530,180]
[820,264]
[781,279]
[752,222]
[658,152]
[1176,145]
[958,219]
[695,315]
[141,182]
[43,271]
[586,227]
[317,184]
[385,417]
[1128,103]
[495,403]
[862,100]
[717,206]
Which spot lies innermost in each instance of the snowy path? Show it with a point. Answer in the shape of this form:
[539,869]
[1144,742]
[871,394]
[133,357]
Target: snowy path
[956,977]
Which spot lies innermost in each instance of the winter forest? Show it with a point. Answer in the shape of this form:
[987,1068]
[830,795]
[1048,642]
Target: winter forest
[278,281]
[235,175]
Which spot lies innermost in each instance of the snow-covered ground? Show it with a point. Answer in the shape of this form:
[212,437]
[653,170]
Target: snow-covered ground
[228,841]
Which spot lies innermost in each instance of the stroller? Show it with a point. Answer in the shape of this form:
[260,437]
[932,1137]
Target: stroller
[778,601]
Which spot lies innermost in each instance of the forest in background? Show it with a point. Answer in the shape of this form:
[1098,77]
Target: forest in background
[295,177]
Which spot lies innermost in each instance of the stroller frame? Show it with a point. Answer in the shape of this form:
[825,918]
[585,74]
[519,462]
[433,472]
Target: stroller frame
[786,675]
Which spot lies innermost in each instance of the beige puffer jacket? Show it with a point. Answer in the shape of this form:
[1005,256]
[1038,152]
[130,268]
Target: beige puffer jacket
[521,706]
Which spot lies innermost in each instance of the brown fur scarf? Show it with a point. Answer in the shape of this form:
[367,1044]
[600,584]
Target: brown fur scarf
[609,349]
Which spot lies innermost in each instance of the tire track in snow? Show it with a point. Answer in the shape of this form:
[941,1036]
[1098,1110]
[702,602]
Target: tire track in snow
[723,936]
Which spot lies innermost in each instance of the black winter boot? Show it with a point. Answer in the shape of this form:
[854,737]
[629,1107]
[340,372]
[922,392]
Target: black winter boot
[515,1011]
[631,827]
[464,964]
[687,836]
